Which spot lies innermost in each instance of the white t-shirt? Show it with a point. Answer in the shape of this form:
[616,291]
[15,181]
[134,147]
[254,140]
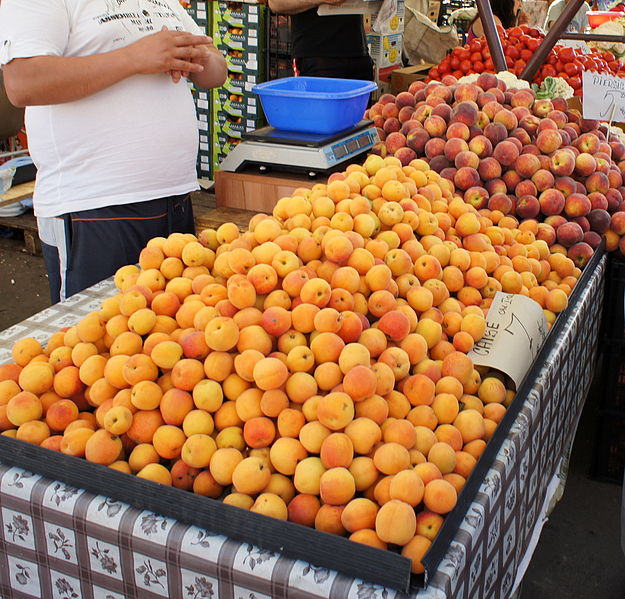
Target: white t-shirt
[134,141]
[578,23]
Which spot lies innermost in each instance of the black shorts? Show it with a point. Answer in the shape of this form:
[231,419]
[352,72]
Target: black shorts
[98,242]
[337,67]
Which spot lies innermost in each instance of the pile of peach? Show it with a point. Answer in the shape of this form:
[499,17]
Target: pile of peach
[506,151]
[312,368]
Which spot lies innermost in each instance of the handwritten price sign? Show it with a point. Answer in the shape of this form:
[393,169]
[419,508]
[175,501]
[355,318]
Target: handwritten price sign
[515,330]
[604,97]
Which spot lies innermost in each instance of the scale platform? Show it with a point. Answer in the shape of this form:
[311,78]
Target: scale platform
[311,153]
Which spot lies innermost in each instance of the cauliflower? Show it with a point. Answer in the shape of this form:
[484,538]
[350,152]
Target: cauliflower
[506,76]
[614,27]
[472,78]
[553,87]
[511,80]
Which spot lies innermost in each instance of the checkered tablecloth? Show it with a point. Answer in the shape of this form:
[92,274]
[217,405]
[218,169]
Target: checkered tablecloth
[61,542]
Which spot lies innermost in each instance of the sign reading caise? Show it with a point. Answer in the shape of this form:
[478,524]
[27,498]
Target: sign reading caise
[515,330]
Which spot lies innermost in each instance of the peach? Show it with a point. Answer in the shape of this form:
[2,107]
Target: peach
[259,432]
[337,450]
[35,431]
[328,519]
[407,486]
[271,505]
[307,477]
[359,513]
[415,550]
[335,410]
[168,441]
[142,455]
[103,448]
[156,473]
[396,522]
[23,407]
[303,509]
[337,486]
[440,496]
[443,456]
[270,373]
[204,484]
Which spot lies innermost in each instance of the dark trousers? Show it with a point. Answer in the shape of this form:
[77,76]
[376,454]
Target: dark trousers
[337,67]
[99,241]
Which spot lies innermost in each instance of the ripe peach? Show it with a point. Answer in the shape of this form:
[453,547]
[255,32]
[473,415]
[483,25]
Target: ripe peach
[440,496]
[335,410]
[395,522]
[102,447]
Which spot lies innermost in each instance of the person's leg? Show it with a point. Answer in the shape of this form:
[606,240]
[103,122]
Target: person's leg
[102,240]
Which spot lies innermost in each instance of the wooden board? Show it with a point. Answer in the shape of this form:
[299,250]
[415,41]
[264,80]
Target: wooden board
[17,193]
[259,193]
[28,224]
[214,218]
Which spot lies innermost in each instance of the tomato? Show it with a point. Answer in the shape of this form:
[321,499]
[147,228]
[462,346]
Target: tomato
[489,65]
[607,56]
[571,68]
[526,54]
[458,74]
[464,55]
[614,65]
[575,82]
[509,61]
[475,46]
[519,65]
[434,74]
[532,44]
[515,31]
[478,66]
[455,62]
[548,71]
[465,66]
[475,56]
[444,67]
[567,54]
[486,53]
[513,52]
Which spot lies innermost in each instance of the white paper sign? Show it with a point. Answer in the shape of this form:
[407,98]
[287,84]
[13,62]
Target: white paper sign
[515,330]
[575,44]
[604,97]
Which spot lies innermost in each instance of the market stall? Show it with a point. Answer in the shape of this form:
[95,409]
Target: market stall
[63,535]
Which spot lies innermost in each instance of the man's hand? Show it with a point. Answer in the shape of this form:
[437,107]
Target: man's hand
[169,51]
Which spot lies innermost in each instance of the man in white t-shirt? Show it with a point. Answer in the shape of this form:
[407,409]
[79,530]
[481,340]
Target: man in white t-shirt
[111,127]
[578,23]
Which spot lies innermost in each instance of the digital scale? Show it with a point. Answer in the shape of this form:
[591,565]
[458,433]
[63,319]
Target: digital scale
[312,153]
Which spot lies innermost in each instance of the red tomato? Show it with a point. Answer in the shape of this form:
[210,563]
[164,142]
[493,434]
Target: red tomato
[478,66]
[515,31]
[465,66]
[548,71]
[489,65]
[475,46]
[455,62]
[532,44]
[566,54]
[571,68]
[458,74]
[434,74]
[513,52]
[444,67]
[475,56]
[464,55]
[526,54]
[575,82]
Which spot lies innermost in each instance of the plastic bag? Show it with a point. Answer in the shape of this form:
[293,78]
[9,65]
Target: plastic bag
[7,172]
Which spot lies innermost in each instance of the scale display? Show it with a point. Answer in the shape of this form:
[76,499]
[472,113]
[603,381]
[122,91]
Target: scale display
[355,145]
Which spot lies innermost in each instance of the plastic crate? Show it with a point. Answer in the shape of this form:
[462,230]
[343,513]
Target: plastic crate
[609,448]
[612,381]
[614,303]
[314,104]
[597,17]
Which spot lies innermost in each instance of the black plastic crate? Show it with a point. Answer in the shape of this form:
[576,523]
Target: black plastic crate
[611,384]
[614,306]
[608,460]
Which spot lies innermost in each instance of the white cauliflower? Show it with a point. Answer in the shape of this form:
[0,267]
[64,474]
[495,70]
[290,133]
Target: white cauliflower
[506,76]
[511,80]
[615,27]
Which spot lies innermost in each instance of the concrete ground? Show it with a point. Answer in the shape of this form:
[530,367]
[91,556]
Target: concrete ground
[578,555]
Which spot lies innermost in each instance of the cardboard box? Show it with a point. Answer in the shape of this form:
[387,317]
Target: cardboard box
[394,24]
[386,50]
[244,105]
[402,78]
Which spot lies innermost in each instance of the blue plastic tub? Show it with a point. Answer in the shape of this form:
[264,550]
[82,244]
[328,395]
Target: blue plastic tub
[314,104]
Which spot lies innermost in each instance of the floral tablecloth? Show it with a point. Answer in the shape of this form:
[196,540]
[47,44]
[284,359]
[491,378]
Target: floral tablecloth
[61,542]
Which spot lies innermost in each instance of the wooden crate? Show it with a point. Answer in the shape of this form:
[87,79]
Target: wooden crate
[27,223]
[256,192]
[212,219]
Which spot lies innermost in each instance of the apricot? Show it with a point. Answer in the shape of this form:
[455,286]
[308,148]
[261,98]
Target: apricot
[396,522]
[440,496]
